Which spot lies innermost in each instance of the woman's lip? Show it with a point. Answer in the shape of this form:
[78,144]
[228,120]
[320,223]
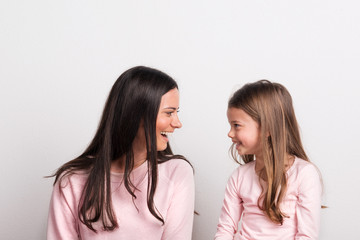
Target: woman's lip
[165,138]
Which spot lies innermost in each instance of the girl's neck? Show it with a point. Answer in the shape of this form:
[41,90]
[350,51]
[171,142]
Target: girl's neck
[259,163]
[289,161]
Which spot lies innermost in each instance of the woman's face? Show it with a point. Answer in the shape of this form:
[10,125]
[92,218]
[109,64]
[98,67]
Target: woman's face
[167,120]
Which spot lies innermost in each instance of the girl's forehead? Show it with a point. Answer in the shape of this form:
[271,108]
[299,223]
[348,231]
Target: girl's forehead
[236,112]
[239,115]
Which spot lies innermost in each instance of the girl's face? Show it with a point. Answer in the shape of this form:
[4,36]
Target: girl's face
[167,120]
[244,132]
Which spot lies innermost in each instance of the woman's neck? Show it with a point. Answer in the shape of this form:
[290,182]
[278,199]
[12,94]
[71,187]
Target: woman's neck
[139,151]
[118,166]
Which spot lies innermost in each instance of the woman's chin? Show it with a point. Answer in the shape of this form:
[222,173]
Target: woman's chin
[161,147]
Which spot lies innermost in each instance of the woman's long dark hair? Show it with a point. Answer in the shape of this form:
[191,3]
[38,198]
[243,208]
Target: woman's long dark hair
[134,97]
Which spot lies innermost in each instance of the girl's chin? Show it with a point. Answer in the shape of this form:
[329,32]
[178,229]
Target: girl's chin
[240,151]
[243,152]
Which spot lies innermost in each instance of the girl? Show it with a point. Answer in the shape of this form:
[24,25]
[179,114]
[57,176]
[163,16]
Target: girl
[277,193]
[128,184]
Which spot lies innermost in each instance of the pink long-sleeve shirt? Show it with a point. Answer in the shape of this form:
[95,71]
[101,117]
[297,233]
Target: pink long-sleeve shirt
[302,204]
[174,198]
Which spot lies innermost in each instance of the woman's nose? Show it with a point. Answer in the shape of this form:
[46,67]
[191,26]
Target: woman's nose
[176,122]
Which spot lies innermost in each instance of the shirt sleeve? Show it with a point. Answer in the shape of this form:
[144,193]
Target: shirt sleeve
[309,204]
[61,219]
[180,216]
[231,210]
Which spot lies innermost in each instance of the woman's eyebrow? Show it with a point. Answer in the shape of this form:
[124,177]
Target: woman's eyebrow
[172,108]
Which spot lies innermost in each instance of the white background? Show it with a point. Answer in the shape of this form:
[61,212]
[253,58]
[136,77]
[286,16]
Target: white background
[59,59]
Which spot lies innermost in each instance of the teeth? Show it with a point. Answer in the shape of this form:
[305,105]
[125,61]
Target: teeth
[166,133]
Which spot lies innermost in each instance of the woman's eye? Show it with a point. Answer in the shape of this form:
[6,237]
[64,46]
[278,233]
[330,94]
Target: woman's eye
[169,113]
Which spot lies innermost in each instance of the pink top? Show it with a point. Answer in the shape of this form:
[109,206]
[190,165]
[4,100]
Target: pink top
[174,198]
[302,204]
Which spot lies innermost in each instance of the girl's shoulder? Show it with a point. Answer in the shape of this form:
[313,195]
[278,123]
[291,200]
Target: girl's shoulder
[302,165]
[303,169]
[246,170]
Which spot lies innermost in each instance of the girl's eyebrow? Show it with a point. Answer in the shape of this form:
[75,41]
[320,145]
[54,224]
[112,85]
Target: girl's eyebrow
[235,121]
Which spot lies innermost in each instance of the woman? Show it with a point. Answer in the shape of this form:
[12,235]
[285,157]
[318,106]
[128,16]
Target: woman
[128,184]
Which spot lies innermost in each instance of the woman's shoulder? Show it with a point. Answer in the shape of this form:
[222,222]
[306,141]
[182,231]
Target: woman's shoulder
[70,185]
[73,179]
[176,168]
[176,164]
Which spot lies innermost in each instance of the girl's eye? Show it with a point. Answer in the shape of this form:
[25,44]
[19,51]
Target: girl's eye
[236,125]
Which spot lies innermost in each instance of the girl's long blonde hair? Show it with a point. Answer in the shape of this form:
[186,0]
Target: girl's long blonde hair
[270,105]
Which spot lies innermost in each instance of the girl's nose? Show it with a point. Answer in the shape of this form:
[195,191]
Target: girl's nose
[230,134]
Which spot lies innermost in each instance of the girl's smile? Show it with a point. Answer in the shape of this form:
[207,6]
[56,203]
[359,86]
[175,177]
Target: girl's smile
[244,132]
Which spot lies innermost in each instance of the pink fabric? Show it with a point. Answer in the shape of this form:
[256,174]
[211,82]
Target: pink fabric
[301,204]
[174,198]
